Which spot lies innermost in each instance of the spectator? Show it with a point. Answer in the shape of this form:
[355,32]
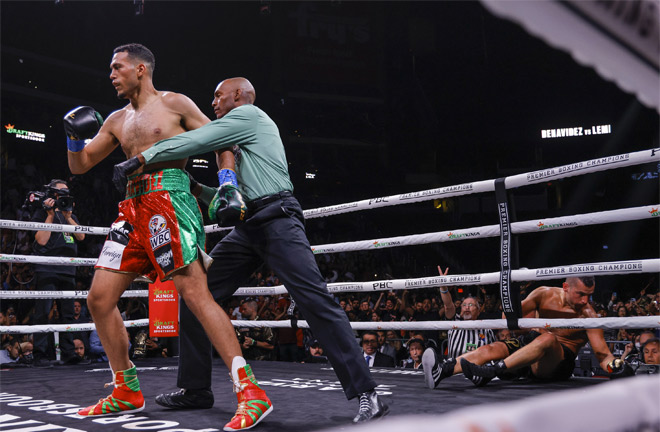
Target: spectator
[154,348]
[96,348]
[80,350]
[491,307]
[26,352]
[633,350]
[54,314]
[364,314]
[622,311]
[79,318]
[415,350]
[10,352]
[384,346]
[651,351]
[370,351]
[424,312]
[315,353]
[4,321]
[623,339]
[256,342]
[391,312]
[394,340]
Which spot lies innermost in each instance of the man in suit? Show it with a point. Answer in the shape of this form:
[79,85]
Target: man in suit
[370,351]
[384,346]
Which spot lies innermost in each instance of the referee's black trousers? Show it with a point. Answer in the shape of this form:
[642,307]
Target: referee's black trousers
[274,233]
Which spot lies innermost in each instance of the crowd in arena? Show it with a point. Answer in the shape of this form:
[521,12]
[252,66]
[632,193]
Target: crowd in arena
[285,344]
[279,344]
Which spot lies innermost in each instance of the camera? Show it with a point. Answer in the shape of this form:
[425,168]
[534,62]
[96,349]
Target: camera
[35,199]
[241,338]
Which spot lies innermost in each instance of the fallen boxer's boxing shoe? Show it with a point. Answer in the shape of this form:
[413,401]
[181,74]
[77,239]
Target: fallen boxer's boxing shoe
[126,396]
[434,371]
[479,375]
[253,404]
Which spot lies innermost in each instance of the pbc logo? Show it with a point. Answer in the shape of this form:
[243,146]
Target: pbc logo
[160,235]
[378,200]
[382,285]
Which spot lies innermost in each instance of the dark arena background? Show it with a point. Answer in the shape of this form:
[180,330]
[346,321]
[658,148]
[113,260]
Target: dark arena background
[372,99]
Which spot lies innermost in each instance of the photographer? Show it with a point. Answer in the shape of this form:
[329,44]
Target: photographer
[56,208]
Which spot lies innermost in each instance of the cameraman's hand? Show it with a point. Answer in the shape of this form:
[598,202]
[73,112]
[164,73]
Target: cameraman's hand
[247,343]
[49,206]
[66,214]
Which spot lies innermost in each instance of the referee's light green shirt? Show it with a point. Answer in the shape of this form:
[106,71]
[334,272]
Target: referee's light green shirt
[261,168]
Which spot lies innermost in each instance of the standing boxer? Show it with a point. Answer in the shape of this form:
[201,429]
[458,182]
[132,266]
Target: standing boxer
[273,232]
[159,231]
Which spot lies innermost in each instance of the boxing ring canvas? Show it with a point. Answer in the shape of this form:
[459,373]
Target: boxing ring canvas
[306,397]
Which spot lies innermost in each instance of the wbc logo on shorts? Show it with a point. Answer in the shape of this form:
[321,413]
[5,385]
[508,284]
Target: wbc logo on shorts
[159,235]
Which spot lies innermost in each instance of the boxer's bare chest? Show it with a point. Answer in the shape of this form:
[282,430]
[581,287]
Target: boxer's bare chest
[553,307]
[141,128]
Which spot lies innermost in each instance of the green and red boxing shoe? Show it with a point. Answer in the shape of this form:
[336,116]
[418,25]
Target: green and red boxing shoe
[126,397]
[253,404]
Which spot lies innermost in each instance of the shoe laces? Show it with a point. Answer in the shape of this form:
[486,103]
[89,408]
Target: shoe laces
[107,398]
[238,386]
[125,382]
[365,404]
[241,409]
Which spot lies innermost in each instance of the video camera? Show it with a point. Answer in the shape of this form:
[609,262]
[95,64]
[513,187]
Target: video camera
[63,199]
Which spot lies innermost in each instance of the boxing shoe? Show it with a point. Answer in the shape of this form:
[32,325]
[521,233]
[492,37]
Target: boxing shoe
[479,375]
[434,371]
[125,397]
[253,404]
[371,407]
[187,399]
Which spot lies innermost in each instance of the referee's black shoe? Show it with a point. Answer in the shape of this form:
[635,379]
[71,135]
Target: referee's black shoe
[434,371]
[371,407]
[187,399]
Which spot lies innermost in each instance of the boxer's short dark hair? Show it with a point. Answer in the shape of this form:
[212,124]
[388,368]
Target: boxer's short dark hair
[138,51]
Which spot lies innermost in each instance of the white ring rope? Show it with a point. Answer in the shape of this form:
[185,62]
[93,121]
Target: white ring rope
[526,323]
[536,225]
[15,294]
[523,227]
[38,259]
[542,273]
[518,180]
[579,168]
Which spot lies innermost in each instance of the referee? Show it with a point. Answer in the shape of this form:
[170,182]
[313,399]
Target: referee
[460,341]
[464,340]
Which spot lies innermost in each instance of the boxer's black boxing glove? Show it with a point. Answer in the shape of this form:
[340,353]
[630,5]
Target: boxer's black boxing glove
[619,369]
[193,182]
[227,207]
[121,171]
[80,124]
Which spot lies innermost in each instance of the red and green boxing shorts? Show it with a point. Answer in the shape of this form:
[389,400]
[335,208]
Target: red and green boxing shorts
[159,228]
